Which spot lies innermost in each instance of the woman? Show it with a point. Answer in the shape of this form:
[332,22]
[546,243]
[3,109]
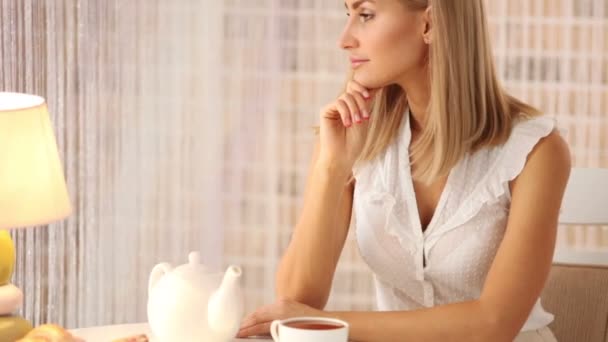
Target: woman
[454,186]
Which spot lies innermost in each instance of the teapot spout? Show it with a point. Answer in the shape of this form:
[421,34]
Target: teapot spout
[226,305]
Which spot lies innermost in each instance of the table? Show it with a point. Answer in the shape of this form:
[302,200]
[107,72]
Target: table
[110,332]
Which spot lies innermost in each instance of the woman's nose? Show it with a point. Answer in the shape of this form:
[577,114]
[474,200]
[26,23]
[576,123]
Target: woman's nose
[347,40]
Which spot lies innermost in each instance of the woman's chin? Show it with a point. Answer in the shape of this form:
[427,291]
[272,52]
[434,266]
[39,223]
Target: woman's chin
[367,82]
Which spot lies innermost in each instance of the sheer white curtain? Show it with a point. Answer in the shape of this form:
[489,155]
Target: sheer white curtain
[282,65]
[187,125]
[135,94]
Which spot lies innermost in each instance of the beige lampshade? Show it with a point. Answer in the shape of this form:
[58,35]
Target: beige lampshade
[32,185]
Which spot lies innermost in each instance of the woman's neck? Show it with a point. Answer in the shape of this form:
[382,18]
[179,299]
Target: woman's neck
[418,115]
[417,88]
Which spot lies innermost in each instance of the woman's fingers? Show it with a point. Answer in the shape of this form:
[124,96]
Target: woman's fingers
[363,106]
[255,330]
[361,95]
[353,107]
[353,86]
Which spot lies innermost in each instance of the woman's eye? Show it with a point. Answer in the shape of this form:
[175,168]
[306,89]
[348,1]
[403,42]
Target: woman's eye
[365,17]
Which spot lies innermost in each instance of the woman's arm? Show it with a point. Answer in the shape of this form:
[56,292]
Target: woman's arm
[517,275]
[307,268]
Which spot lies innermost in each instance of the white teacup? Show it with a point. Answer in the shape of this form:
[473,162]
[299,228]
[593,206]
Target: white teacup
[306,329]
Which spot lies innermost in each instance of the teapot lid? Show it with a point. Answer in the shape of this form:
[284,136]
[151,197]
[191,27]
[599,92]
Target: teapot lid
[193,270]
[194,258]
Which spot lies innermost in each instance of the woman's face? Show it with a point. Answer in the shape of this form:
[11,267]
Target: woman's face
[387,38]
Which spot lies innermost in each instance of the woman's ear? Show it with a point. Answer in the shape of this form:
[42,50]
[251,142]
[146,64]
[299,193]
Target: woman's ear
[427,34]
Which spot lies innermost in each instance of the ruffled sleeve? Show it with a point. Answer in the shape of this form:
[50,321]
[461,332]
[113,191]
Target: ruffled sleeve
[506,162]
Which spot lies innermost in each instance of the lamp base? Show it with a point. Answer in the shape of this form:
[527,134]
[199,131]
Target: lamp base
[13,328]
[7,257]
[11,297]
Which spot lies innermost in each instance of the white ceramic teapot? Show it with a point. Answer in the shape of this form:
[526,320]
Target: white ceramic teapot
[190,304]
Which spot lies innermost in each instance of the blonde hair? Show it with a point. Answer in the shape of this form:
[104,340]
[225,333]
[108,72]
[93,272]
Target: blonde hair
[468,108]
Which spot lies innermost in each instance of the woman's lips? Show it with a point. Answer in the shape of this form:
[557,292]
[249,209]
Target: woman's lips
[354,63]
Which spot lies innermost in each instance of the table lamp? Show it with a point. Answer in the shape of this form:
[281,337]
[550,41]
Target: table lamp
[32,190]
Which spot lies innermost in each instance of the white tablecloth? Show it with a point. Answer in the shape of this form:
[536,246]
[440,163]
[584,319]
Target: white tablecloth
[111,332]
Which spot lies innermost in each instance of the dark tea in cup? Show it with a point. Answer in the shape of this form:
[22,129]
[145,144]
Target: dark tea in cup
[306,329]
[312,325]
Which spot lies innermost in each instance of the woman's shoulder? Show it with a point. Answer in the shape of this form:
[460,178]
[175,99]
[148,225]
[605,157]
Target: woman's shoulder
[529,136]
[492,172]
[538,125]
[549,162]
[525,133]
[552,151]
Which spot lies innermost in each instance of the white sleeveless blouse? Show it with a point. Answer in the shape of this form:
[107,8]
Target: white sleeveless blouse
[449,261]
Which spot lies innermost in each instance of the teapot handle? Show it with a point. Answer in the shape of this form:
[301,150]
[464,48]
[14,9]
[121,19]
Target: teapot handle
[158,272]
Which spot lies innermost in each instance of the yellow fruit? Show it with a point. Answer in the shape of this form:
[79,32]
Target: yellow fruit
[13,328]
[7,257]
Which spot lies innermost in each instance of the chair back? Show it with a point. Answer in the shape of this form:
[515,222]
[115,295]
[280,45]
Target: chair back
[578,297]
[577,289]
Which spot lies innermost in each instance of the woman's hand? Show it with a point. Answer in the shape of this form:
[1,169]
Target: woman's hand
[258,323]
[344,124]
